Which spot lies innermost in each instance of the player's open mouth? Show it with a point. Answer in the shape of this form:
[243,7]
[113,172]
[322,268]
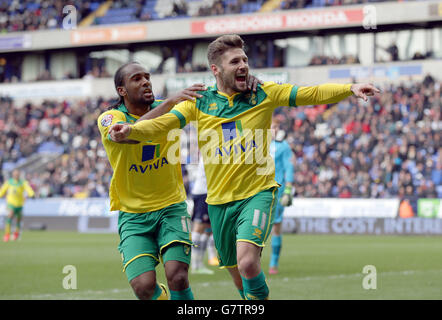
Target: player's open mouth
[240,78]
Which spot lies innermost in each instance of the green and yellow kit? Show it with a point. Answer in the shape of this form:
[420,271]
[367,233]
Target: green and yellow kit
[148,190]
[15,190]
[234,139]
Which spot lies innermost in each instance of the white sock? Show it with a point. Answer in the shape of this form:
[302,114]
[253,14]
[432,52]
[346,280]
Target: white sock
[211,250]
[203,240]
[196,258]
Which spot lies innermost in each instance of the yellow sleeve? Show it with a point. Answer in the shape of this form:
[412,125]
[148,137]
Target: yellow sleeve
[4,189]
[322,94]
[185,111]
[28,189]
[177,118]
[282,95]
[107,119]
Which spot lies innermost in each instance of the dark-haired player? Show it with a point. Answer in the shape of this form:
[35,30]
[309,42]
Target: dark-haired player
[148,191]
[147,188]
[233,133]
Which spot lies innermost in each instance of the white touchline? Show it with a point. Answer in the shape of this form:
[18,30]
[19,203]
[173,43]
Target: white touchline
[80,294]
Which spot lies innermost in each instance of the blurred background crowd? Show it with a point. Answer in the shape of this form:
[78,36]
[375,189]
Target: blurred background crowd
[387,147]
[70,129]
[186,55]
[28,15]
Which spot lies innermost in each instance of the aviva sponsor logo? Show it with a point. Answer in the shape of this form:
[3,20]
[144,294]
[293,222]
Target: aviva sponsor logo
[231,130]
[236,148]
[149,152]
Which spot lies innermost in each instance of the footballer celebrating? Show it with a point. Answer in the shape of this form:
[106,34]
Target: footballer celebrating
[148,191]
[234,139]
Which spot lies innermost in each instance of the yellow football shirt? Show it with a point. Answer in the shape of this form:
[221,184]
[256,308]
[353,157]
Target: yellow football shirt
[234,133]
[147,176]
[16,192]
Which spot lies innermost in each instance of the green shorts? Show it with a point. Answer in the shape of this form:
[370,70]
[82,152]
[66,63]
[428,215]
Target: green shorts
[151,237]
[16,210]
[248,220]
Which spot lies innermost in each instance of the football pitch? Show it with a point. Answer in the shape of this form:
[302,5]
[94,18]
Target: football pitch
[320,267]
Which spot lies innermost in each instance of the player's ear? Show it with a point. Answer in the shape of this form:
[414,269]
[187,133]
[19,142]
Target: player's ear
[215,69]
[121,91]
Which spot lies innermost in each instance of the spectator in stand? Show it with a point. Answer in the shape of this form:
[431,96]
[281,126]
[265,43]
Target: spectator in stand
[28,15]
[299,4]
[69,126]
[326,60]
[179,8]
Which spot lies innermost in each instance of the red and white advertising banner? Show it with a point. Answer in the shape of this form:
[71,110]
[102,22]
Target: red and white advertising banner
[282,21]
[109,34]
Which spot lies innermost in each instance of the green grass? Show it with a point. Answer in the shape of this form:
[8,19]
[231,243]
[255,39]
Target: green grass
[311,267]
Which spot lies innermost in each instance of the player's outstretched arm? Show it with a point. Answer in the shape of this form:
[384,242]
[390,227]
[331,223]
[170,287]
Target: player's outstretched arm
[190,93]
[119,132]
[333,93]
[147,127]
[154,128]
[364,90]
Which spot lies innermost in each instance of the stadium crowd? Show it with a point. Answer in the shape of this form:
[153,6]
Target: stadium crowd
[31,15]
[326,60]
[82,169]
[388,147]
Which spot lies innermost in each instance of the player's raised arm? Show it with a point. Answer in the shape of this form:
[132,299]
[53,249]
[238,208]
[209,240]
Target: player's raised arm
[190,93]
[145,129]
[333,93]
[177,118]
[158,122]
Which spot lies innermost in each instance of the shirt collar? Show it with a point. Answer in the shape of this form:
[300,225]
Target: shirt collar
[214,88]
[122,108]
[129,115]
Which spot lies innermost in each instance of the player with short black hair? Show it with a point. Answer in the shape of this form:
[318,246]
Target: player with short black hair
[148,190]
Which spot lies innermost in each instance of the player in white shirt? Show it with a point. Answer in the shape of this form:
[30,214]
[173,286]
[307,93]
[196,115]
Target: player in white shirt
[202,235]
